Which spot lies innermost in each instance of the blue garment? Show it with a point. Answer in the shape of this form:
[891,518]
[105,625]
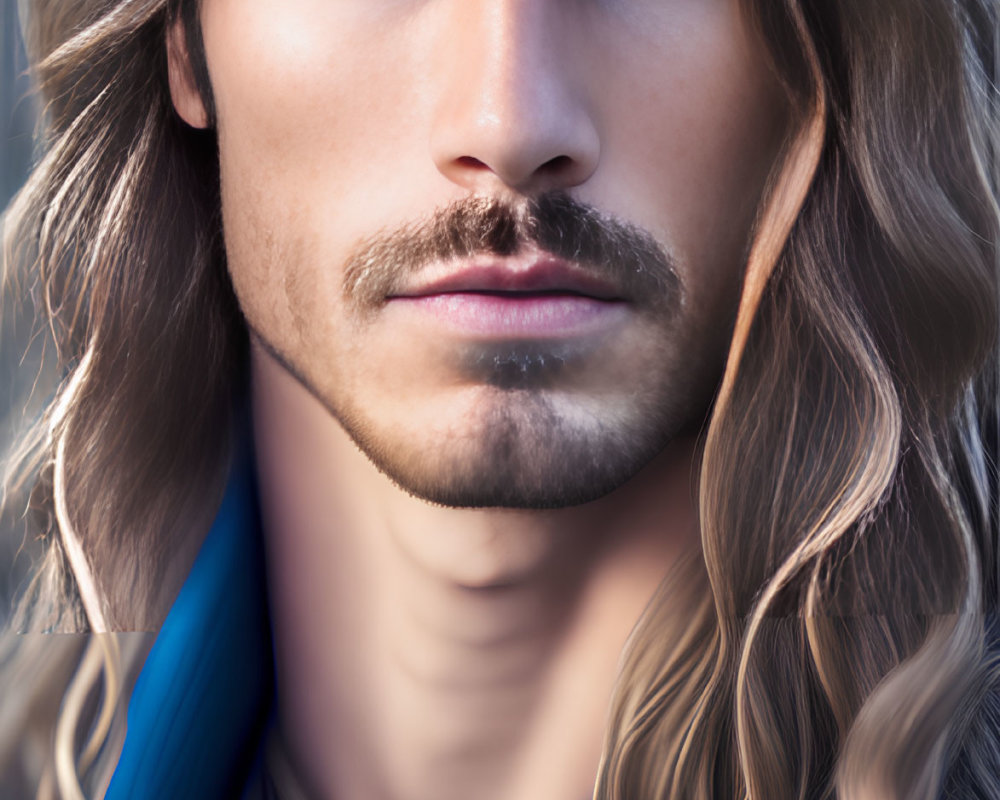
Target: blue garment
[201,702]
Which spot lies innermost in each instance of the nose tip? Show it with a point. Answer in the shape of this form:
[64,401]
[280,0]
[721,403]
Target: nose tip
[510,112]
[524,160]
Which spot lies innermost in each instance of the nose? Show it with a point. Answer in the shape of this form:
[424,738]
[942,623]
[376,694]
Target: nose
[510,111]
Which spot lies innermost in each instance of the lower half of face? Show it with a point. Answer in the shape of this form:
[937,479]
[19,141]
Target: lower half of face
[521,400]
[544,354]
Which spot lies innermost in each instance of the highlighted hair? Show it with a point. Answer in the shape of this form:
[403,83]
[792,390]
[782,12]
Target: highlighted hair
[832,639]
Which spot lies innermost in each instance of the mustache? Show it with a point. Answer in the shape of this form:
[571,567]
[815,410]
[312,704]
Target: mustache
[622,253]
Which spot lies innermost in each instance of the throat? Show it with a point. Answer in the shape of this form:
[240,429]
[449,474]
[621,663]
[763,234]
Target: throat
[459,692]
[480,672]
[433,653]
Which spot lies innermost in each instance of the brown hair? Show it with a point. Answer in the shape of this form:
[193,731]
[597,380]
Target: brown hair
[832,641]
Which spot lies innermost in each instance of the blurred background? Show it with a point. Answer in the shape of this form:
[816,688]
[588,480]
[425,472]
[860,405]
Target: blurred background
[16,106]
[19,358]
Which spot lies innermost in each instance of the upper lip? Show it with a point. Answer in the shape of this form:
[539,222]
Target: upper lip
[538,274]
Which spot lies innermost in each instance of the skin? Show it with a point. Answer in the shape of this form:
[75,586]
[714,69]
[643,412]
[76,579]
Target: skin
[426,650]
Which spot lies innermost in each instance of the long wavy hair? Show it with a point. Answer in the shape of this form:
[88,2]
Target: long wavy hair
[834,638]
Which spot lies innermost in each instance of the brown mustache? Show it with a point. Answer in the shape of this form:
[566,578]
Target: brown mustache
[620,253]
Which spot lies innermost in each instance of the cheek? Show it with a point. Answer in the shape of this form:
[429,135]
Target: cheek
[303,93]
[262,265]
[305,85]
[276,132]
[701,126]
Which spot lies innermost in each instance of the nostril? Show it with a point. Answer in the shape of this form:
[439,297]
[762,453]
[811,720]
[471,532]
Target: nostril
[523,158]
[556,165]
[470,163]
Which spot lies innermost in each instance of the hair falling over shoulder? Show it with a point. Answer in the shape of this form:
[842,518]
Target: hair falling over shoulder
[116,239]
[841,644]
[839,635]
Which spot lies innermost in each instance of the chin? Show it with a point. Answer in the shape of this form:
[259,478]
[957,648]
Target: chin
[523,453]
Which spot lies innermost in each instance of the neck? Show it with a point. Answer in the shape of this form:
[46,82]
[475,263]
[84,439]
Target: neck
[428,652]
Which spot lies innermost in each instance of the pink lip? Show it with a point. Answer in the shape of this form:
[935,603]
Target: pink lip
[511,298]
[512,275]
[531,316]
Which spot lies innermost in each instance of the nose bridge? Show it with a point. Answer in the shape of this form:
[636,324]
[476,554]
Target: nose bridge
[509,108]
[512,69]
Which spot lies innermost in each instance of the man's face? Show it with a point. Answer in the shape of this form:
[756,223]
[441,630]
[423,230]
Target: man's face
[500,240]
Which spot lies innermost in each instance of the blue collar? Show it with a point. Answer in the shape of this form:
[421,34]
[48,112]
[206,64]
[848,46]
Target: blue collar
[203,697]
[203,700]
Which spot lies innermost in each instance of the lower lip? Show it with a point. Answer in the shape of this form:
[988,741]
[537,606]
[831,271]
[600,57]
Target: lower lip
[513,316]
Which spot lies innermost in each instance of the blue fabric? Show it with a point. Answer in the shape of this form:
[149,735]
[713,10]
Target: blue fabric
[200,702]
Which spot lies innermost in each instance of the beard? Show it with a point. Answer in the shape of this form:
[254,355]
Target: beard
[526,454]
[544,423]
[530,441]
